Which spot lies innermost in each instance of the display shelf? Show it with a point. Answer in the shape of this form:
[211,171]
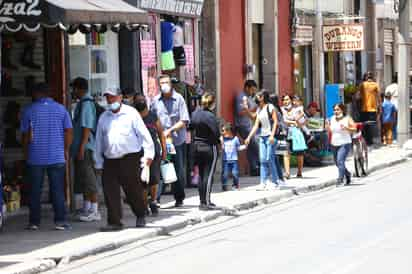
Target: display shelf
[96,61]
[98,76]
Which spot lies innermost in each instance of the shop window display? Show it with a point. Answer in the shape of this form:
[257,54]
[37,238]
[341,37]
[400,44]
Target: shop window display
[94,56]
[22,64]
[149,62]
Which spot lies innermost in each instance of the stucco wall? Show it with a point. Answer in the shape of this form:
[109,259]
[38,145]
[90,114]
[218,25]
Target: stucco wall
[232,53]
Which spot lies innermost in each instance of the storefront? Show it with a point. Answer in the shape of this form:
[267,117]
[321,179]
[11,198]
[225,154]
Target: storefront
[172,44]
[302,42]
[54,41]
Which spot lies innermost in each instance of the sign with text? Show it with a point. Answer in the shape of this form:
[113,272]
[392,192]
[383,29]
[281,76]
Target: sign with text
[343,38]
[21,11]
[191,8]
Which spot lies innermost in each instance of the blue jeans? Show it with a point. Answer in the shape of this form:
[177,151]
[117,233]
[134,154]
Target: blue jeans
[267,154]
[230,167]
[55,174]
[340,153]
[278,167]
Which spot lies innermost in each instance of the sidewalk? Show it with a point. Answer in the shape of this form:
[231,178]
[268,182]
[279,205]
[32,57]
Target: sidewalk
[33,252]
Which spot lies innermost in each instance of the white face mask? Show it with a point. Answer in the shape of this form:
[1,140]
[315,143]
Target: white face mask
[114,106]
[165,88]
[339,116]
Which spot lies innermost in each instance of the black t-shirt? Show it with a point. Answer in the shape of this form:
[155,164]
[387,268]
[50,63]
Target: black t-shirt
[150,122]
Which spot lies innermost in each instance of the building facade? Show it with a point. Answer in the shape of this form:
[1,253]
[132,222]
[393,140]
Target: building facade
[247,39]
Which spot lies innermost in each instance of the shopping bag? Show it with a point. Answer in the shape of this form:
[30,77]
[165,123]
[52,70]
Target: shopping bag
[145,175]
[298,140]
[168,172]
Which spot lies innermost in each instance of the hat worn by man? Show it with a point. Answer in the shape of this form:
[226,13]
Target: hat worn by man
[112,92]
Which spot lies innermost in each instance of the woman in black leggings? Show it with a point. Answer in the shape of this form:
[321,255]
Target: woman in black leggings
[206,141]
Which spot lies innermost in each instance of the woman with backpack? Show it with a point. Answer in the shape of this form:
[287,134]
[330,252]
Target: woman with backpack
[266,123]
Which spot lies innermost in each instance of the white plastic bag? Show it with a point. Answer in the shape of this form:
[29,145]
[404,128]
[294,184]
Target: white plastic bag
[145,176]
[168,172]
[145,173]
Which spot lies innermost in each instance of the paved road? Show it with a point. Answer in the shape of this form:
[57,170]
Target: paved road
[364,228]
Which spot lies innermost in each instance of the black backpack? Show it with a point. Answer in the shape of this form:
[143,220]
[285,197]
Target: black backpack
[99,108]
[281,129]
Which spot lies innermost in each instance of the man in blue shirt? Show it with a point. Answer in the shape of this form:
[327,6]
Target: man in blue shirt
[47,136]
[245,115]
[172,111]
[84,128]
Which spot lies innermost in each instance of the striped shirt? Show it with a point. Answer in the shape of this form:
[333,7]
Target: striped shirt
[48,120]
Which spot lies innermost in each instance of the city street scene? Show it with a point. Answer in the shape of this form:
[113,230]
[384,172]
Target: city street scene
[207,136]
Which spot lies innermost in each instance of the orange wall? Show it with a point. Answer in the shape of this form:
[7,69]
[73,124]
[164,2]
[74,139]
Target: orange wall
[232,55]
[285,49]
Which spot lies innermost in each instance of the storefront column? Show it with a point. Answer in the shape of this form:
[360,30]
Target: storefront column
[55,44]
[57,76]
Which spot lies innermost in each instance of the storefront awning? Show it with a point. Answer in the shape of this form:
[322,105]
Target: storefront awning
[185,8]
[30,14]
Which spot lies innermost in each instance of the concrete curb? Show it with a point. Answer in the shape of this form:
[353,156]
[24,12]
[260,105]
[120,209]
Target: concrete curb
[30,267]
[45,265]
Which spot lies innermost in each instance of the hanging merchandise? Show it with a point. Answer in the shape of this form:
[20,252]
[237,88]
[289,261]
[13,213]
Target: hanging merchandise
[167,59]
[178,43]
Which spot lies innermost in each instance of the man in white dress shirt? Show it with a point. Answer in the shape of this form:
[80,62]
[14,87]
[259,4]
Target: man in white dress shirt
[121,138]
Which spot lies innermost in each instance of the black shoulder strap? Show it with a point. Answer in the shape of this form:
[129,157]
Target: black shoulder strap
[81,106]
[269,116]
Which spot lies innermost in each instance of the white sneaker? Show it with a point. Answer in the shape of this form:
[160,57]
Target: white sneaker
[272,186]
[261,187]
[281,183]
[91,217]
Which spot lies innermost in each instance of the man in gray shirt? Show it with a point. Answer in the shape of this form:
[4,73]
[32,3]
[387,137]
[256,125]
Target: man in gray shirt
[245,108]
[172,111]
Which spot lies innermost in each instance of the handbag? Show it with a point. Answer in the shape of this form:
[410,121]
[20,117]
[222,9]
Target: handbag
[168,172]
[282,147]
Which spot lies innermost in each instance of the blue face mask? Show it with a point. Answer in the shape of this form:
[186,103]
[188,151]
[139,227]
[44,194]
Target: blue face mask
[113,107]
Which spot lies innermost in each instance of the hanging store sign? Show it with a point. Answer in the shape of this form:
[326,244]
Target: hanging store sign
[190,8]
[303,35]
[343,38]
[12,11]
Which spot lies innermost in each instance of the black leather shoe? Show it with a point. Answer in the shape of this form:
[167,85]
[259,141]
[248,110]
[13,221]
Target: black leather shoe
[179,204]
[140,222]
[111,228]
[348,179]
[204,207]
[154,209]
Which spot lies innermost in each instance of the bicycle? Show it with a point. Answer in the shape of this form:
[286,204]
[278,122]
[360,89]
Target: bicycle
[360,150]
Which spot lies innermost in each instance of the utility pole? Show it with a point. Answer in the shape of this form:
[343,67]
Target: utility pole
[403,77]
[319,58]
